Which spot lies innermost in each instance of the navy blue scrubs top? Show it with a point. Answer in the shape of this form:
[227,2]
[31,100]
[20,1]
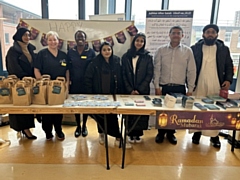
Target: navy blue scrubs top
[78,65]
[47,63]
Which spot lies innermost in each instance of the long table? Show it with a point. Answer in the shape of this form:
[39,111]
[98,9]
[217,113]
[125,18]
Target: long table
[189,114]
[56,109]
[148,109]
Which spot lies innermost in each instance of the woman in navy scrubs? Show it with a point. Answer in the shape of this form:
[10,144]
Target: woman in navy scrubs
[53,62]
[79,58]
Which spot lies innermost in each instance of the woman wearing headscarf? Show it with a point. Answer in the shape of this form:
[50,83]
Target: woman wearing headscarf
[19,62]
[137,66]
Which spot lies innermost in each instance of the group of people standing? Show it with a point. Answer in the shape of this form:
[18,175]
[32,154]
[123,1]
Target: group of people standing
[175,68]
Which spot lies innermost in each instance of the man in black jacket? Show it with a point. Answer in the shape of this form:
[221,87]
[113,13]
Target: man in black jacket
[214,72]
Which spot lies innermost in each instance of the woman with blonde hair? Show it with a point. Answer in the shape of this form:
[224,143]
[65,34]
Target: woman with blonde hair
[53,62]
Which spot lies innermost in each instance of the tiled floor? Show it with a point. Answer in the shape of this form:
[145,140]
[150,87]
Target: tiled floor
[84,158]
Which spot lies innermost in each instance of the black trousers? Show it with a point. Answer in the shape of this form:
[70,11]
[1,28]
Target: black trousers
[112,124]
[136,133]
[50,120]
[84,120]
[167,90]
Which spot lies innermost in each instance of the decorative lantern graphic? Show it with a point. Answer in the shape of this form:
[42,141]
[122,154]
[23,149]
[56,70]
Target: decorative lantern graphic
[238,124]
[162,119]
[238,115]
[229,116]
[233,121]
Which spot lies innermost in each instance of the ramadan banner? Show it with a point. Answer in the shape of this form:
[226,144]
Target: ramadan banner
[197,120]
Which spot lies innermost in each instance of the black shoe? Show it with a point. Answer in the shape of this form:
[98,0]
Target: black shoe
[29,137]
[215,142]
[49,136]
[60,136]
[77,132]
[196,137]
[172,139]
[159,138]
[84,131]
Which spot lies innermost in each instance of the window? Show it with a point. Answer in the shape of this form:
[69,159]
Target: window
[198,35]
[28,5]
[120,6]
[200,19]
[89,8]
[10,14]
[63,9]
[238,45]
[235,58]
[139,8]
[228,20]
[7,38]
[227,39]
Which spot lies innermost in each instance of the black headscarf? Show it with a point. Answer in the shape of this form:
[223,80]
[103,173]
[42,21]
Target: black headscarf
[19,34]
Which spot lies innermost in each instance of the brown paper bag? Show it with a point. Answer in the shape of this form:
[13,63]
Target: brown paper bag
[46,76]
[21,93]
[29,80]
[56,91]
[39,92]
[6,90]
[65,84]
[14,77]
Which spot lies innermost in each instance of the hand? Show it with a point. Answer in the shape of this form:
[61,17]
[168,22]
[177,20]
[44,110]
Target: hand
[226,85]
[136,92]
[133,92]
[158,91]
[189,94]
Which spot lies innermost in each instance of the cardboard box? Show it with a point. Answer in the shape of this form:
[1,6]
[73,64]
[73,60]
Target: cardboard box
[69,119]
[4,119]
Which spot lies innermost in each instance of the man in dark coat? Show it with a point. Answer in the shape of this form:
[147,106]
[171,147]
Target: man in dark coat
[214,72]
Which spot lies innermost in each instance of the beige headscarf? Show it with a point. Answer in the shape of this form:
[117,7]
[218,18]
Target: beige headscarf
[25,51]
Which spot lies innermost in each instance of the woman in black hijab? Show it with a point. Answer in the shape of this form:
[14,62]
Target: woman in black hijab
[19,62]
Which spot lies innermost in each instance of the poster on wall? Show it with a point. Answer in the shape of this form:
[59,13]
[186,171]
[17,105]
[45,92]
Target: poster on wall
[158,24]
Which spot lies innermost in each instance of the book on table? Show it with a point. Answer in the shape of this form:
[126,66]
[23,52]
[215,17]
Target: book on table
[216,98]
[228,105]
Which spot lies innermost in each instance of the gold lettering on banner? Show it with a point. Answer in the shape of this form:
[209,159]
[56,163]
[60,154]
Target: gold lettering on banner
[213,122]
[187,123]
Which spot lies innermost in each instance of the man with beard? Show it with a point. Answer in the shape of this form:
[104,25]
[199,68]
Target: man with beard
[214,72]
[174,67]
[79,58]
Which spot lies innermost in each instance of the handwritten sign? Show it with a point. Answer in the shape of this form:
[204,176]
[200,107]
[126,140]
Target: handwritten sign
[158,24]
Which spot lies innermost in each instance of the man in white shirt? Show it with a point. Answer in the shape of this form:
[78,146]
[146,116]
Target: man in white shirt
[174,67]
[214,71]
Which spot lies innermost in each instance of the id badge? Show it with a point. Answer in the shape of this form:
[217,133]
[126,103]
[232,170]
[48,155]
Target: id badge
[84,57]
[63,62]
